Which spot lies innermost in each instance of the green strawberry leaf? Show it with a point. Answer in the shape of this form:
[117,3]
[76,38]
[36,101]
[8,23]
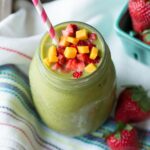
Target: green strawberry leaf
[128,127]
[120,126]
[117,135]
[145,104]
[141,97]
[146,35]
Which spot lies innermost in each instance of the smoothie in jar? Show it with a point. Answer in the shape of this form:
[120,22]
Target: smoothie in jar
[73,83]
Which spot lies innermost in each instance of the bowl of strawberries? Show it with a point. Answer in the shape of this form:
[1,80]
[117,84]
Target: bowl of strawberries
[133,26]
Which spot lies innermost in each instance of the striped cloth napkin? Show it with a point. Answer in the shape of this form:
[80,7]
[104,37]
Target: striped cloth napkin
[22,129]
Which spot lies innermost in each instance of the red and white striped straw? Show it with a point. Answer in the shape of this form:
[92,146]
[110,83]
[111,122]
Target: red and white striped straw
[41,11]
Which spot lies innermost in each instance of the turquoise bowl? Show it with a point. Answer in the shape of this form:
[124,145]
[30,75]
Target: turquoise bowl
[133,46]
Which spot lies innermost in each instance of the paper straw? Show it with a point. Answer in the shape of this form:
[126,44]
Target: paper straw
[41,11]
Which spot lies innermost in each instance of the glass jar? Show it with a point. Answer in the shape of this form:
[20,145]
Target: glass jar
[74,106]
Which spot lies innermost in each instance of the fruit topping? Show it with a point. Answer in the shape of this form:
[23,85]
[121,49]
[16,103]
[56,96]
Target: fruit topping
[52,54]
[46,62]
[92,37]
[75,54]
[94,53]
[77,74]
[90,68]
[70,52]
[82,34]
[72,40]
[83,49]
[63,41]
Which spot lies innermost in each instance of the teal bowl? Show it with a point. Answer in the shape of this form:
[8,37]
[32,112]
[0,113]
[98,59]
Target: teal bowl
[133,46]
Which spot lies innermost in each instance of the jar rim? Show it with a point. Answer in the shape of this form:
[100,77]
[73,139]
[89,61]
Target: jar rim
[79,80]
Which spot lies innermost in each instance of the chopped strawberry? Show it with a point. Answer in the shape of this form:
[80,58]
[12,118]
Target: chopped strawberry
[92,36]
[56,66]
[61,59]
[61,49]
[71,64]
[82,43]
[97,60]
[75,46]
[74,26]
[77,74]
[80,66]
[83,58]
[90,44]
[70,30]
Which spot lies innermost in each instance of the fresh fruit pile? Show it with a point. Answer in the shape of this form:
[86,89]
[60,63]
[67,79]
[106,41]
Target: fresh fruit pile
[76,52]
[140,15]
[133,106]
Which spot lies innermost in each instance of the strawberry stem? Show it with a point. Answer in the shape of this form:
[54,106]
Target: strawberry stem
[118,135]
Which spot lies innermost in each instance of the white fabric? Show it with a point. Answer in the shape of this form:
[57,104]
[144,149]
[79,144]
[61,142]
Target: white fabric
[22,32]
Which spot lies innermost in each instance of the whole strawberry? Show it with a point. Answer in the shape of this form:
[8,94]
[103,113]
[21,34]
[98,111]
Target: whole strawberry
[125,139]
[133,105]
[140,14]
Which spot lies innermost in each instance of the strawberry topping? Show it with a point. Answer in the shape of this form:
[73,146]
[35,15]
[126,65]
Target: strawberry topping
[77,74]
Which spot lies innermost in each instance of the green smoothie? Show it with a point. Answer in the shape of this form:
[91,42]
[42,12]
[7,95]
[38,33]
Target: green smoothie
[73,106]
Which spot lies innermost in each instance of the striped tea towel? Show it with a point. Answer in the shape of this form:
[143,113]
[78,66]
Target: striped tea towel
[22,129]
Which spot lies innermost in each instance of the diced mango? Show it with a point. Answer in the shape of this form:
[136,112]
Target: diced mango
[63,41]
[52,54]
[53,59]
[72,40]
[46,62]
[52,51]
[90,68]
[83,49]
[70,52]
[94,53]
[82,34]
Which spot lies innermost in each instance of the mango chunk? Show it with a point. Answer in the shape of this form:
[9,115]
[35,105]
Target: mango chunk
[94,53]
[52,54]
[52,51]
[70,52]
[83,49]
[63,41]
[82,34]
[72,40]
[53,59]
[90,68]
[46,62]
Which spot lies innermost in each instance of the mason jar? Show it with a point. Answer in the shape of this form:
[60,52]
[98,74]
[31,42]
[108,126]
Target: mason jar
[73,106]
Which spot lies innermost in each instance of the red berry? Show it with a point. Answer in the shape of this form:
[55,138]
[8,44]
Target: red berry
[71,65]
[126,139]
[90,44]
[133,105]
[140,14]
[70,30]
[83,58]
[77,74]
[92,36]
[56,66]
[61,49]
[80,66]
[61,59]
[82,43]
